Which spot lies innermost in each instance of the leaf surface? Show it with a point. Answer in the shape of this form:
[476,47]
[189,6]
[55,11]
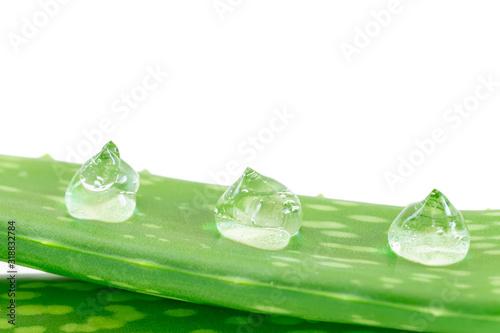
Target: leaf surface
[338,269]
[56,304]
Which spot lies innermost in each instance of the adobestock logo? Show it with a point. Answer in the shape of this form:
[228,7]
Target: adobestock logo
[127,102]
[371,29]
[419,321]
[122,107]
[453,118]
[247,151]
[253,144]
[222,7]
[31,26]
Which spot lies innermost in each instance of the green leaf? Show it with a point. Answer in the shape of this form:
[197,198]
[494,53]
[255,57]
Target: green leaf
[338,269]
[55,304]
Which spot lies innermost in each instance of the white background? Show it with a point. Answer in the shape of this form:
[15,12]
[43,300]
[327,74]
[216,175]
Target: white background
[228,71]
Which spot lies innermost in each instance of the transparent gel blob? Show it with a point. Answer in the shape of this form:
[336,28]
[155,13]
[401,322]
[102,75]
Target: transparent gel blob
[104,188]
[258,211]
[431,232]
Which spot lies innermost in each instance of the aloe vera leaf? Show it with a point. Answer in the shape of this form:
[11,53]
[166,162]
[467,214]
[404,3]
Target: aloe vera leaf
[57,304]
[339,269]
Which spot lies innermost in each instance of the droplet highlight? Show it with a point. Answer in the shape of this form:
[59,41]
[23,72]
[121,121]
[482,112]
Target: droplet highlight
[431,232]
[104,188]
[258,211]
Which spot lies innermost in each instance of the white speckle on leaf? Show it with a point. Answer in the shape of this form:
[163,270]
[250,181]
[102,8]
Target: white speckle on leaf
[323,225]
[122,284]
[270,308]
[420,279]
[477,227]
[334,264]
[426,276]
[494,252]
[492,214]
[93,277]
[340,234]
[152,226]
[482,245]
[321,207]
[280,264]
[286,259]
[9,189]
[368,218]
[152,291]
[390,280]
[354,248]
